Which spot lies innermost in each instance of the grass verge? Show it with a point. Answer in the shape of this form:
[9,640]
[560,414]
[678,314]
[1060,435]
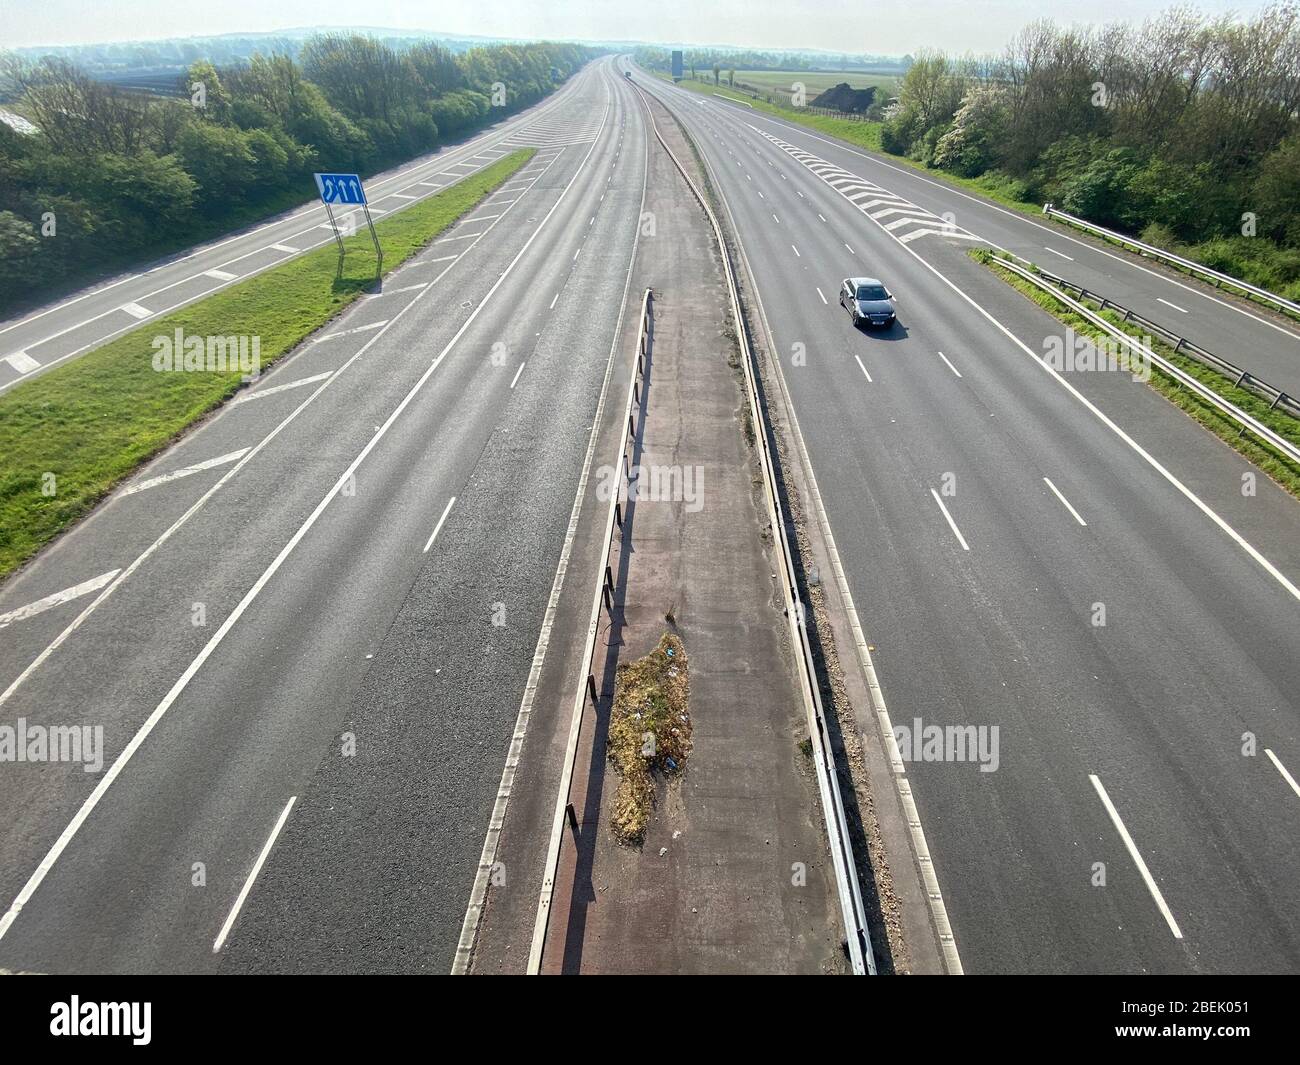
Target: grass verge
[78,430]
[1272,462]
[649,730]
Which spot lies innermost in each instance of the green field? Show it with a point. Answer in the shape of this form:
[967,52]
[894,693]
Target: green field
[780,81]
[852,130]
[70,435]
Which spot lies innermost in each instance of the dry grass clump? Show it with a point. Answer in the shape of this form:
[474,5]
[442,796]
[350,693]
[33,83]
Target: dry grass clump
[649,730]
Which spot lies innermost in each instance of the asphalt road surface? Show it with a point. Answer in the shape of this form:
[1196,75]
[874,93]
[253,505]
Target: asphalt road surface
[1065,558]
[306,630]
[1265,344]
[322,609]
[51,335]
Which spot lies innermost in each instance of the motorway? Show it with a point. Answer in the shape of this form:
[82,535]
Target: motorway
[1066,558]
[52,335]
[309,624]
[1265,344]
[308,629]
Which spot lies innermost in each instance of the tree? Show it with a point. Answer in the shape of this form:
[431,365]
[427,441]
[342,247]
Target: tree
[1275,198]
[19,246]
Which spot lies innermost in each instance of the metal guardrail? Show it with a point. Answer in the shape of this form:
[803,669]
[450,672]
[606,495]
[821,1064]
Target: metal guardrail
[1195,268]
[858,941]
[604,593]
[1231,410]
[1182,346]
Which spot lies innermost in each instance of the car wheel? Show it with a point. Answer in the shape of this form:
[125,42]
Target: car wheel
[856,320]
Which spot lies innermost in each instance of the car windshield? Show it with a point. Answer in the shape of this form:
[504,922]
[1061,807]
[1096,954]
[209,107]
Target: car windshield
[872,292]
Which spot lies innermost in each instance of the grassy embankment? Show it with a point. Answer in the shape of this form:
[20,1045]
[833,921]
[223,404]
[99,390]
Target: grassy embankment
[94,420]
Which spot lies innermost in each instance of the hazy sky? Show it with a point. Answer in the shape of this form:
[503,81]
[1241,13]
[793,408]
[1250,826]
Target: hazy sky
[847,25]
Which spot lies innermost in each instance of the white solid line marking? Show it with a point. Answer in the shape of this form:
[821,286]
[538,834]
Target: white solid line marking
[395,291]
[578,252]
[1137,858]
[515,379]
[1055,252]
[135,310]
[950,365]
[248,884]
[907,238]
[463,236]
[220,275]
[403,196]
[22,362]
[917,213]
[821,216]
[909,221]
[553,299]
[431,184]
[851,251]
[1168,304]
[951,524]
[1057,492]
[796,251]
[349,332]
[285,247]
[249,397]
[438,528]
[863,368]
[175,475]
[42,605]
[1282,769]
[823,296]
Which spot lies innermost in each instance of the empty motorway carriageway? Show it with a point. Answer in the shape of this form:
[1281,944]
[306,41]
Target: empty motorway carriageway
[552,506]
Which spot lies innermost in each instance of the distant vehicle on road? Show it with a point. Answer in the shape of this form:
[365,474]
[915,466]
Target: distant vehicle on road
[867,300]
[627,74]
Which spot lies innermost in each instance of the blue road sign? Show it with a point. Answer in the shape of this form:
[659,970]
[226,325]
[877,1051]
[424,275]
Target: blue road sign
[345,189]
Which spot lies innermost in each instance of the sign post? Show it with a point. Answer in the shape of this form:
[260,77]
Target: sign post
[346,190]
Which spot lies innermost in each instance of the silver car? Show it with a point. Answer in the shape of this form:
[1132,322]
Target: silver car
[867,300]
